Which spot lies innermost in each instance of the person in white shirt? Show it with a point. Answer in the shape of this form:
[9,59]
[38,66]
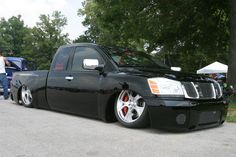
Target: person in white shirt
[3,76]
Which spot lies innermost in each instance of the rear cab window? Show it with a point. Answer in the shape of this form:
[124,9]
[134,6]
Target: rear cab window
[61,59]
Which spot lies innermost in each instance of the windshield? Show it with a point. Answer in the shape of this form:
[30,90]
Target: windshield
[18,63]
[130,58]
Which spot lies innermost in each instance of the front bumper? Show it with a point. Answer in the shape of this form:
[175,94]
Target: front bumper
[186,115]
[1,90]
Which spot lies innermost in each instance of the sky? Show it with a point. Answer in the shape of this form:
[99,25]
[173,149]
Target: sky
[30,10]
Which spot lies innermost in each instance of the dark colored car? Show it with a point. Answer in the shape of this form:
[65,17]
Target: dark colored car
[17,64]
[112,83]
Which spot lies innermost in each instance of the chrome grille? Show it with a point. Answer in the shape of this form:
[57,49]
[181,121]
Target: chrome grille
[190,90]
[202,90]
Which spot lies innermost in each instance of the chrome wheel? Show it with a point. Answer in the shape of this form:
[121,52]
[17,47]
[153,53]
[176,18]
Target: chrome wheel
[26,96]
[130,106]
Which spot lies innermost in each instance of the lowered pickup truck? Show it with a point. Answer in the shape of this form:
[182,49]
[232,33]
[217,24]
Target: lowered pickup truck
[112,83]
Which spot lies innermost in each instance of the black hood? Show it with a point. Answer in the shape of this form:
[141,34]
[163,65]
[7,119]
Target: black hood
[167,73]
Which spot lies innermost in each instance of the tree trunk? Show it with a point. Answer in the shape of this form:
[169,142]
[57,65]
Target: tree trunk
[232,56]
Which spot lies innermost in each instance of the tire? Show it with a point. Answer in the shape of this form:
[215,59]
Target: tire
[131,110]
[27,99]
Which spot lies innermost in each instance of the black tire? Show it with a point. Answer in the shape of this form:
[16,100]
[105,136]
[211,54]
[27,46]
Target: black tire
[141,122]
[26,96]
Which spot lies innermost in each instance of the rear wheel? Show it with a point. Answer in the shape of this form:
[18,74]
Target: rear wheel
[131,110]
[26,97]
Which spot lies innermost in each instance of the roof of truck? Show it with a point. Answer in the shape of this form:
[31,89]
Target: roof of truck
[15,58]
[79,44]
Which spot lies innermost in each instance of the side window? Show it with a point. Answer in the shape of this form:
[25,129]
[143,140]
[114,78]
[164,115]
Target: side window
[24,65]
[61,59]
[82,53]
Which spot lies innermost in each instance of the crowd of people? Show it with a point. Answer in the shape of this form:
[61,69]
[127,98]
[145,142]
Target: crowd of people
[221,79]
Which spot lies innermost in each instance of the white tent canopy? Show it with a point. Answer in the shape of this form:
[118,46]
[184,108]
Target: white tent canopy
[215,67]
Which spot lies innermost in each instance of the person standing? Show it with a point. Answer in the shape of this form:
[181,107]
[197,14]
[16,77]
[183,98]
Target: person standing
[3,76]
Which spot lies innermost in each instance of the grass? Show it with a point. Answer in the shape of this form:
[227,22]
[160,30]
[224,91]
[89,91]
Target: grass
[231,117]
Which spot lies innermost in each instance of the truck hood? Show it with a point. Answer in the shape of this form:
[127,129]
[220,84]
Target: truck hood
[167,73]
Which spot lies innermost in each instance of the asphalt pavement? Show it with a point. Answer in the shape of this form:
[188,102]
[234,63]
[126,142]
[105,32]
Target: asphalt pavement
[28,132]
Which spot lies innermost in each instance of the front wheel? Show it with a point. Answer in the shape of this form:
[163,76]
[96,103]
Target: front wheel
[26,97]
[131,110]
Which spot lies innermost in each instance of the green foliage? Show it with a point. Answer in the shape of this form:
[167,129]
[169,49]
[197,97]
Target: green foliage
[12,33]
[111,23]
[37,44]
[231,77]
[231,117]
[44,39]
[187,33]
[233,105]
[83,39]
[196,31]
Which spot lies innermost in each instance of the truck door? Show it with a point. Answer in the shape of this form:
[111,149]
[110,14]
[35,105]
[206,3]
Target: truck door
[81,86]
[57,86]
[85,84]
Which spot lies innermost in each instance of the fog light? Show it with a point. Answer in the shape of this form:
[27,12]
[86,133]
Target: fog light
[181,119]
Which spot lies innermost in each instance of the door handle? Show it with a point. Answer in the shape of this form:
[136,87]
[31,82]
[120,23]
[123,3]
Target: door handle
[69,78]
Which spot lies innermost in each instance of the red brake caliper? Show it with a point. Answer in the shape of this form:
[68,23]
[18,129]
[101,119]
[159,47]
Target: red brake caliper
[125,109]
[126,98]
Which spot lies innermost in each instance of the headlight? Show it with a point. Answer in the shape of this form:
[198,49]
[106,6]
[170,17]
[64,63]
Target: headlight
[164,86]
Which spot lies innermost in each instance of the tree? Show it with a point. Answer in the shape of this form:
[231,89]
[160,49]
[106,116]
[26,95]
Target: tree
[232,56]
[83,39]
[12,33]
[44,39]
[114,22]
[196,31]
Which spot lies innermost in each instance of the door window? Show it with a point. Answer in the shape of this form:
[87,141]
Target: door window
[82,53]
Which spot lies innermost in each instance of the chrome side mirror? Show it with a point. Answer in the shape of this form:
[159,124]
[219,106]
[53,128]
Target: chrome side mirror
[90,64]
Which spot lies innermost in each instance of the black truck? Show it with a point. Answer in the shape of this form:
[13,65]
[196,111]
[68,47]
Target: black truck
[112,83]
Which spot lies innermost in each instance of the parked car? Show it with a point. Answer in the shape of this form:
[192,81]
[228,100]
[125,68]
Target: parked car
[17,64]
[112,83]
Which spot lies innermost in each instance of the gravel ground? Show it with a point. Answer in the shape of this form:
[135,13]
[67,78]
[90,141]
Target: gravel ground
[40,133]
